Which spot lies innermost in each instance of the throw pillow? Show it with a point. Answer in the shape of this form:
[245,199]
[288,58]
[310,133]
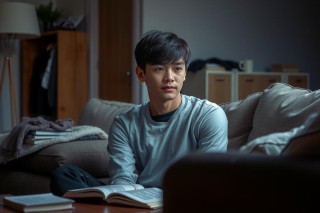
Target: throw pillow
[101,113]
[282,108]
[240,116]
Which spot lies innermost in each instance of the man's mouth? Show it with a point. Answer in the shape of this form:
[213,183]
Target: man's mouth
[168,88]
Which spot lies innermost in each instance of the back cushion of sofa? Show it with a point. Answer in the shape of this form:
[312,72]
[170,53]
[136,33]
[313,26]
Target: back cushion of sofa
[240,115]
[101,113]
[282,108]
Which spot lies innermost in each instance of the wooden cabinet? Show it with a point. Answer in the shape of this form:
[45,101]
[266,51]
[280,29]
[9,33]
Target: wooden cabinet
[215,86]
[219,87]
[250,83]
[226,86]
[297,80]
[71,66]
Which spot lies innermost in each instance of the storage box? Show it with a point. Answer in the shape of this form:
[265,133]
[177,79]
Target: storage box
[284,68]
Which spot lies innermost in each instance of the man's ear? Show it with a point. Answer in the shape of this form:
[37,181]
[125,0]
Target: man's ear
[140,74]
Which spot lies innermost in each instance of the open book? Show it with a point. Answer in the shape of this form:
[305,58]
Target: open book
[134,195]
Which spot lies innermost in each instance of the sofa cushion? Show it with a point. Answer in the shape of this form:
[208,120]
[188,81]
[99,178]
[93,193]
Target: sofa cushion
[101,113]
[306,144]
[17,182]
[90,155]
[303,140]
[240,115]
[271,144]
[282,108]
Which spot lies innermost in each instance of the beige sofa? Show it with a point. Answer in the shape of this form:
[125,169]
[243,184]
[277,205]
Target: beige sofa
[263,123]
[31,174]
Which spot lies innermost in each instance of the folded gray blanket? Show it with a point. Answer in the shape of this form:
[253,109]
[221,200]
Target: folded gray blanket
[12,144]
[77,133]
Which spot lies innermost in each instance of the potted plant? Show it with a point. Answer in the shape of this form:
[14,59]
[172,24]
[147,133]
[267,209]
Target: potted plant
[48,15]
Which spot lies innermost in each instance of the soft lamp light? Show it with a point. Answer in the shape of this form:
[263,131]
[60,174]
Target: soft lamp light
[17,21]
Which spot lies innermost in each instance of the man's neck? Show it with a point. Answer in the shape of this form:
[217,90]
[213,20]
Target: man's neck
[164,107]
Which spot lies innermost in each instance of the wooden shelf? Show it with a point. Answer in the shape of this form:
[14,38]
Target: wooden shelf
[225,86]
[71,67]
[251,83]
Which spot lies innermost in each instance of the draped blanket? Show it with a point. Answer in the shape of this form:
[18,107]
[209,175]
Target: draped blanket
[12,146]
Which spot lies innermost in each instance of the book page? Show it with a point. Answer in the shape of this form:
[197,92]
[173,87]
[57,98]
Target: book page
[151,196]
[54,133]
[100,191]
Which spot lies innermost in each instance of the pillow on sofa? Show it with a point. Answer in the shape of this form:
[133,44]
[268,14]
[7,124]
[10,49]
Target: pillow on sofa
[275,143]
[282,108]
[101,113]
[240,115]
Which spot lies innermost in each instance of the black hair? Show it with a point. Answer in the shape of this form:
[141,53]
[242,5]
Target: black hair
[157,47]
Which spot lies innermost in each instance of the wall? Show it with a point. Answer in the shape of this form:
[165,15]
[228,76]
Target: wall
[68,10]
[71,7]
[268,32]
[273,31]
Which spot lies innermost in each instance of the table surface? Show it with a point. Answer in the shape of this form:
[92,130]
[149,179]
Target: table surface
[90,207]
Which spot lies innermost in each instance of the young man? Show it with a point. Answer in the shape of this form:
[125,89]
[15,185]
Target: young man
[146,140]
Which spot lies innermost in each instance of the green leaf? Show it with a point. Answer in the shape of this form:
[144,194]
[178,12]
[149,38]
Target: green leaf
[47,13]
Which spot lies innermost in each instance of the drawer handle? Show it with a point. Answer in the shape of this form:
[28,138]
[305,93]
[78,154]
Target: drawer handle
[220,79]
[272,81]
[250,80]
[298,81]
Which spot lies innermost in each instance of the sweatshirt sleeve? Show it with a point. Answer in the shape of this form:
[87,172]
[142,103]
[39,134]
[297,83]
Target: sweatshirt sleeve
[122,162]
[213,130]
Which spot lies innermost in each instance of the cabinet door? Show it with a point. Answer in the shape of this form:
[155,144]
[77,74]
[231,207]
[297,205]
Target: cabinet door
[249,84]
[298,80]
[219,88]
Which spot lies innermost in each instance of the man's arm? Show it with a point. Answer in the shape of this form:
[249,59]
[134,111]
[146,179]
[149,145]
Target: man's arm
[121,167]
[213,131]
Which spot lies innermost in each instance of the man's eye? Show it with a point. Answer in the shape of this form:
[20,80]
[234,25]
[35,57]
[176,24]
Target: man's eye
[178,69]
[158,69]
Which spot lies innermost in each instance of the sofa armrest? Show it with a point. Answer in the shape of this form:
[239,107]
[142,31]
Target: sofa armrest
[231,182]
[90,155]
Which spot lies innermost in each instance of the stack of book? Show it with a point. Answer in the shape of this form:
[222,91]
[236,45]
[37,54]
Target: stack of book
[284,68]
[38,203]
[34,137]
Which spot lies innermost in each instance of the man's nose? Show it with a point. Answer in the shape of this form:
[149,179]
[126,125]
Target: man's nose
[169,75]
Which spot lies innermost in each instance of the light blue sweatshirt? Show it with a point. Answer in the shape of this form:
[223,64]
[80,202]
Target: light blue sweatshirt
[141,150]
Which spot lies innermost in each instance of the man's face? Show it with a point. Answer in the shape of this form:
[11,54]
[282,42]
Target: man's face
[164,81]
